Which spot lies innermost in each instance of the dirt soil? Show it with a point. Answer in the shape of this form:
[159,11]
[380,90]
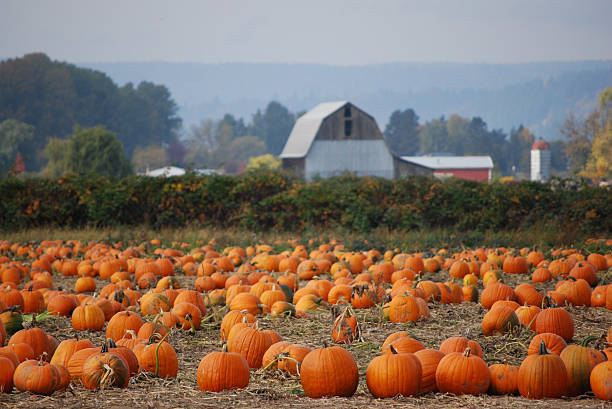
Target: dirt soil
[275,389]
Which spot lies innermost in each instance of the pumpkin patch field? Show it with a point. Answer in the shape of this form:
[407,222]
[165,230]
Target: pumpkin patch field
[303,323]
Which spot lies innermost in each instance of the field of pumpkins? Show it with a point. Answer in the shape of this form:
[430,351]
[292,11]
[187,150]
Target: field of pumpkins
[313,324]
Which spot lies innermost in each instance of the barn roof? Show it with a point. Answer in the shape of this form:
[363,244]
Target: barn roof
[306,128]
[451,162]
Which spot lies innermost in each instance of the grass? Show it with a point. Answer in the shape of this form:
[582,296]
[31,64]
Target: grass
[540,237]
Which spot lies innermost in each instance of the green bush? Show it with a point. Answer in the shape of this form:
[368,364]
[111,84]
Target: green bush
[277,201]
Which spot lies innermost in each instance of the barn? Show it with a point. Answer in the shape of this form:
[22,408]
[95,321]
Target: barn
[476,168]
[337,137]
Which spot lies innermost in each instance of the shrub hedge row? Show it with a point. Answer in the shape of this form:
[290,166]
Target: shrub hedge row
[266,201]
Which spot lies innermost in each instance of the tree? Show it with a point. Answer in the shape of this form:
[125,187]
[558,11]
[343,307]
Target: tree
[578,135]
[402,132]
[265,162]
[14,137]
[150,157]
[236,154]
[434,136]
[273,126]
[599,162]
[89,150]
[53,96]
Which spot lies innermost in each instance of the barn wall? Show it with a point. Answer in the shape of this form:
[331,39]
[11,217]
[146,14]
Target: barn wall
[294,165]
[363,157]
[404,169]
[363,126]
[479,175]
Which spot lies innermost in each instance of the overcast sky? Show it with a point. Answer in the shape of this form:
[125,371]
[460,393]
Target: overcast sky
[313,31]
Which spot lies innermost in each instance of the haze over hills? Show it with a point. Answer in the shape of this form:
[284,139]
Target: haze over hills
[537,95]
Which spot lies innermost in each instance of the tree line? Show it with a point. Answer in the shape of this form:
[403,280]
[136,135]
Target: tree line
[57,117]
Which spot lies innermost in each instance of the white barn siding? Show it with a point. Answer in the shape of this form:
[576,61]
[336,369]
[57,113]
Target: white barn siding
[363,157]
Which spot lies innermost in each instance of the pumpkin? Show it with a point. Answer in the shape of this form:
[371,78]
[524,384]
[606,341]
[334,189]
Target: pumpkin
[189,315]
[527,294]
[495,292]
[579,361]
[542,375]
[85,285]
[346,328]
[429,359]
[232,318]
[158,358]
[555,320]
[76,361]
[403,309]
[527,315]
[269,360]
[223,370]
[7,368]
[36,377]
[459,344]
[504,379]
[600,380]
[126,354]
[246,301]
[329,371]
[88,316]
[104,370]
[37,339]
[499,320]
[394,374]
[462,373]
[7,352]
[291,356]
[12,321]
[250,343]
[403,345]
[515,265]
[33,301]
[193,297]
[121,322]
[67,348]
[61,304]
[577,292]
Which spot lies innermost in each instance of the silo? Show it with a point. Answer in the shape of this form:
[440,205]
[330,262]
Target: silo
[540,161]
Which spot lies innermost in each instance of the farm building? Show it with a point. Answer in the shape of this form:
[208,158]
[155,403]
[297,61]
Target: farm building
[338,137]
[476,168]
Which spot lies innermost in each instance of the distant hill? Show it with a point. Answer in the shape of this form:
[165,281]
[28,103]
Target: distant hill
[537,95]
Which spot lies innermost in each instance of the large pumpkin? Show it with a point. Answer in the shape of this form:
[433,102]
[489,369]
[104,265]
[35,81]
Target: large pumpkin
[250,343]
[462,373]
[579,361]
[329,371]
[542,375]
[36,377]
[556,320]
[394,374]
[601,380]
[218,371]
[105,370]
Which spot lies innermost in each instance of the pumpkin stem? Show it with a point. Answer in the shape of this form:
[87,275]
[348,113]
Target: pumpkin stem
[467,352]
[588,339]
[543,350]
[224,347]
[393,350]
[104,348]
